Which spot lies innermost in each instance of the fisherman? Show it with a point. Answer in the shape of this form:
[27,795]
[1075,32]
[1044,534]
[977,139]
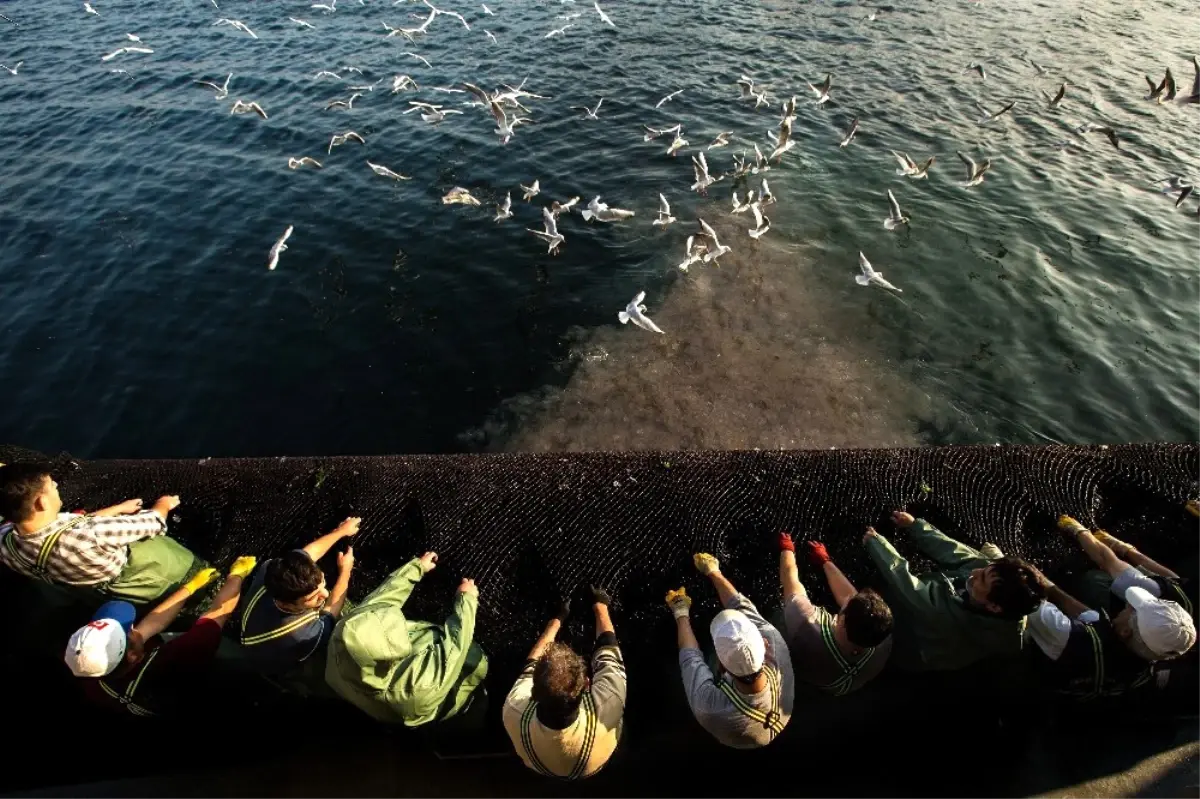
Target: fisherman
[561,723]
[131,667]
[405,671]
[1121,566]
[1088,654]
[288,614]
[841,652]
[972,607]
[122,552]
[749,701]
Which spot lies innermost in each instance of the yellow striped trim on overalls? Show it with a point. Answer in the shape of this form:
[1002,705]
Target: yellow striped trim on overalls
[126,699]
[770,719]
[588,709]
[38,565]
[842,685]
[302,620]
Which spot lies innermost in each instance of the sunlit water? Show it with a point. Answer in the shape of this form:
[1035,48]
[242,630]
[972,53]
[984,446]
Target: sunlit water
[1057,301]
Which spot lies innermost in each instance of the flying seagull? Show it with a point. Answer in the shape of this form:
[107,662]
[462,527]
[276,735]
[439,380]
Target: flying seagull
[910,168]
[401,82]
[347,104]
[694,253]
[700,170]
[654,133]
[491,36]
[432,114]
[1056,100]
[240,107]
[13,69]
[278,248]
[975,171]
[664,212]
[978,68]
[869,275]
[668,98]
[603,17]
[233,23]
[715,248]
[487,10]
[636,312]
[341,138]
[677,144]
[764,195]
[589,113]
[504,211]
[559,31]
[822,91]
[420,58]
[550,234]
[989,117]
[849,134]
[784,141]
[459,196]
[721,140]
[504,126]
[88,8]
[303,23]
[296,163]
[602,213]
[120,51]
[385,172]
[1090,127]
[1194,97]
[529,192]
[895,218]
[761,223]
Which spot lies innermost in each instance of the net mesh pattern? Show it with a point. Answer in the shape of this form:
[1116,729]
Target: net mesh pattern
[532,529]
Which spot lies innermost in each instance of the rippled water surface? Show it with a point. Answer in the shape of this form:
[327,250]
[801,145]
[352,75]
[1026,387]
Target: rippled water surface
[1057,301]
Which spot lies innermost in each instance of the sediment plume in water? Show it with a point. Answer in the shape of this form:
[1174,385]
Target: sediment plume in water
[757,354]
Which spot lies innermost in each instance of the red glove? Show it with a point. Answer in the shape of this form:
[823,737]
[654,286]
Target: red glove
[817,554]
[785,543]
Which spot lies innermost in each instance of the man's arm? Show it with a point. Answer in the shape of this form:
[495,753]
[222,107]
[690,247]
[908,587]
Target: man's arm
[168,610]
[337,596]
[935,544]
[459,630]
[1130,554]
[910,590]
[1068,604]
[789,575]
[226,600]
[843,590]
[319,548]
[125,529]
[547,638]
[396,589]
[128,506]
[604,625]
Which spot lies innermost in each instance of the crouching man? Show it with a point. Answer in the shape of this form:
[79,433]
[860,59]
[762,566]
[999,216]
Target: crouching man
[405,671]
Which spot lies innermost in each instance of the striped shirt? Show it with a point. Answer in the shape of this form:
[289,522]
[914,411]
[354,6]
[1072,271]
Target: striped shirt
[75,549]
[816,656]
[584,746]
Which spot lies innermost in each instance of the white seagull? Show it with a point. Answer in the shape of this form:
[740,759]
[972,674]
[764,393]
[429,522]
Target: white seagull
[303,23]
[989,117]
[529,192]
[668,98]
[603,17]
[636,312]
[341,138]
[240,107]
[487,10]
[785,142]
[420,58]
[12,70]
[677,144]
[402,82]
[326,73]
[910,168]
[761,223]
[975,171]
[432,114]
[559,31]
[328,8]
[88,8]
[504,126]
[721,140]
[654,133]
[700,170]
[589,113]
[869,275]
[278,248]
[602,213]
[740,207]
[895,218]
[121,51]
[849,134]
[296,163]
[387,173]
[459,196]
[715,248]
[504,211]
[550,235]
[664,212]
[133,37]
[491,36]
[822,91]
[233,23]
[694,253]
[222,90]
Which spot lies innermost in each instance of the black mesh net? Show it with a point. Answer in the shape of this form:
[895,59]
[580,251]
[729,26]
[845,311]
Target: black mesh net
[533,528]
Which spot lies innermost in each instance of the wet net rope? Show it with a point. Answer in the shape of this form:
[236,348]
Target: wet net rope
[531,529]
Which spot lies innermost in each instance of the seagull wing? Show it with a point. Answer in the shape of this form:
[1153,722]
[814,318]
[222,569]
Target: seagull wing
[895,205]
[971,168]
[664,207]
[865,265]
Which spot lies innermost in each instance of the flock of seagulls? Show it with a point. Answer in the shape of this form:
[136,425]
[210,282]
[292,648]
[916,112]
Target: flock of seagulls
[506,109]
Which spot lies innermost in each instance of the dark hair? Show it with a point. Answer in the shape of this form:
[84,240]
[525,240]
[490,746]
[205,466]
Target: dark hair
[1016,588]
[559,679]
[292,575]
[868,619]
[20,486]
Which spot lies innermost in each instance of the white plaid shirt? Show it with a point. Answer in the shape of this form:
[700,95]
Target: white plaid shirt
[89,551]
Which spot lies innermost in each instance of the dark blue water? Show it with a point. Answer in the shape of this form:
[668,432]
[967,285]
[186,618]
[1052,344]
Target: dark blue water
[1058,301]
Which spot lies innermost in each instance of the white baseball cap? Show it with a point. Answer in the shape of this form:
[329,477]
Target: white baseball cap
[1164,627]
[99,647]
[740,646]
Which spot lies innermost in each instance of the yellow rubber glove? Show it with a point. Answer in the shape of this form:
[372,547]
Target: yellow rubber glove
[706,564]
[201,579]
[1193,507]
[679,603]
[1070,526]
[243,566]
